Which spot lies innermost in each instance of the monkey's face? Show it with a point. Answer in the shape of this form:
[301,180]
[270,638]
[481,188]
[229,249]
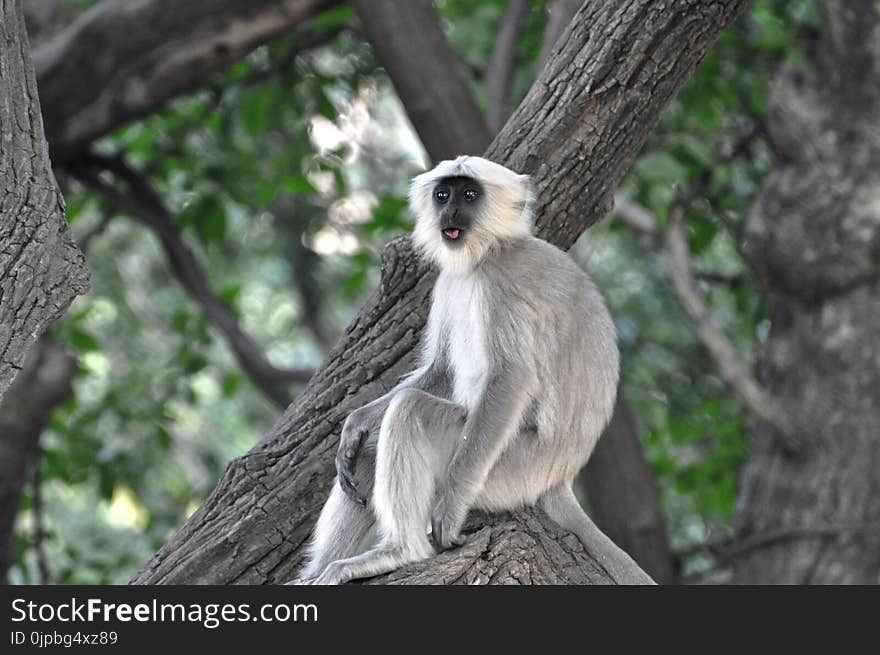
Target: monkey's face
[457,200]
[464,207]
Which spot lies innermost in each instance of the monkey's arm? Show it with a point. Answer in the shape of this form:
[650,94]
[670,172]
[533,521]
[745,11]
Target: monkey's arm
[488,430]
[361,430]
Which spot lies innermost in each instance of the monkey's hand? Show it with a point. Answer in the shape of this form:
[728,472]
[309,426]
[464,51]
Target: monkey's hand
[446,521]
[354,432]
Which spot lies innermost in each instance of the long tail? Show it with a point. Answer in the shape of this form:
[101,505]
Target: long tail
[561,505]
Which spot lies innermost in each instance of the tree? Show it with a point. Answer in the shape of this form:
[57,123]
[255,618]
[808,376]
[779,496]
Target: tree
[576,132]
[810,515]
[41,269]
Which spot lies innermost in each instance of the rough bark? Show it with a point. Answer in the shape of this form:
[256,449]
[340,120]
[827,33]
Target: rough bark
[814,236]
[41,269]
[44,383]
[624,496]
[516,548]
[409,42]
[576,132]
[141,53]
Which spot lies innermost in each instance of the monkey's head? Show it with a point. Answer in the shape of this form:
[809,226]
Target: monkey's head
[466,206]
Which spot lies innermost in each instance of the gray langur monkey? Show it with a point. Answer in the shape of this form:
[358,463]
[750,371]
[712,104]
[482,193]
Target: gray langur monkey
[518,376]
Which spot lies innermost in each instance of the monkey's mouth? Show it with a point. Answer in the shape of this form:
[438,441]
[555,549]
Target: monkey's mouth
[451,233]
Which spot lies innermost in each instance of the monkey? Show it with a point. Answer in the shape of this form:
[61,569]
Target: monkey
[517,379]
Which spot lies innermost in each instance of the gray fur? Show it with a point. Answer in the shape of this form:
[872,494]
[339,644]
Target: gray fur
[518,380]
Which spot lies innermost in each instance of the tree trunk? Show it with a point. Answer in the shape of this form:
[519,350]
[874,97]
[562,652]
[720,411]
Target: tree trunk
[624,496]
[814,517]
[576,132]
[41,269]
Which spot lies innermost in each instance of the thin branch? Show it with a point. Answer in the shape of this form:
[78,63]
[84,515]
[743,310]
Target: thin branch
[639,219]
[683,278]
[143,204]
[500,73]
[561,13]
[644,223]
[762,539]
[751,394]
[724,279]
[726,550]
[39,533]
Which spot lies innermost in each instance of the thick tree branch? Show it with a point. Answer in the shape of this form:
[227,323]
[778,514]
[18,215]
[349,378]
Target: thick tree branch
[41,269]
[524,547]
[500,73]
[410,43]
[576,132]
[150,51]
[143,204]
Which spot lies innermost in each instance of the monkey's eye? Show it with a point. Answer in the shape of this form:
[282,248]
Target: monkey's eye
[470,195]
[441,195]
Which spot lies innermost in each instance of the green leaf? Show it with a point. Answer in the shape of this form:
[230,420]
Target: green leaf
[211,221]
[660,167]
[354,283]
[82,341]
[179,321]
[701,150]
[163,437]
[230,385]
[299,185]
[334,18]
[255,107]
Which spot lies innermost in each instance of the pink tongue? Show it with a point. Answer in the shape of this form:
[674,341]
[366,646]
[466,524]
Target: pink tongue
[452,233]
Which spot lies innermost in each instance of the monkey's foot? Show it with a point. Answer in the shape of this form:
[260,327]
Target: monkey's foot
[334,573]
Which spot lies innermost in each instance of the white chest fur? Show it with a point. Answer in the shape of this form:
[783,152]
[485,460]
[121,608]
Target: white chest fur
[458,317]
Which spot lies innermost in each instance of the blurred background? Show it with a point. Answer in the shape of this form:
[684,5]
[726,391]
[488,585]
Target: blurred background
[247,234]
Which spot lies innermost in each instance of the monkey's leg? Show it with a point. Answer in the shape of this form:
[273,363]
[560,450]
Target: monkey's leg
[342,528]
[344,525]
[562,506]
[418,435]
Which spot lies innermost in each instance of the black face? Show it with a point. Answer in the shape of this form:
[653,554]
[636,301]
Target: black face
[457,200]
